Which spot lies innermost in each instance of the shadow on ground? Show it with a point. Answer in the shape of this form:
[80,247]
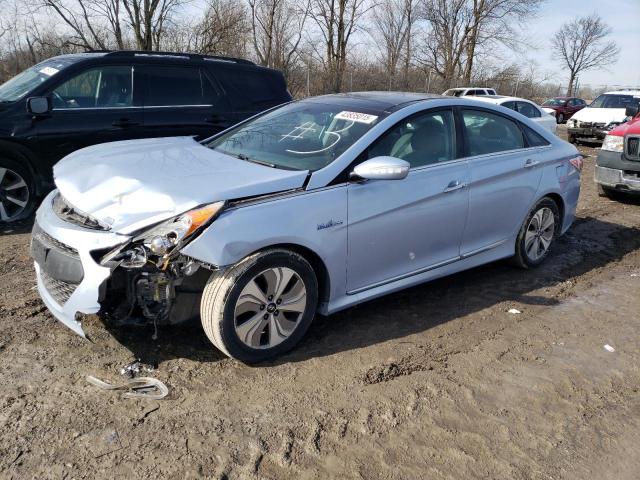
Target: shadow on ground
[590,244]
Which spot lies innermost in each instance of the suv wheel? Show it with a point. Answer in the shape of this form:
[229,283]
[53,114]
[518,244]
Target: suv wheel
[17,196]
[261,307]
[560,118]
[537,233]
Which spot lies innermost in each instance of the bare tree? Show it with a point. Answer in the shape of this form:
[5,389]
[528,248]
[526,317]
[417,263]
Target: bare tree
[81,20]
[148,20]
[337,20]
[277,27]
[392,25]
[581,45]
[458,30]
[223,29]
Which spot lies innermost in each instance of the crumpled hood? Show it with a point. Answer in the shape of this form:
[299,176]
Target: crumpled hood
[600,115]
[131,184]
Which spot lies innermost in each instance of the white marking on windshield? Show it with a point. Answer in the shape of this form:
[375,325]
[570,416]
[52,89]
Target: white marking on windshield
[306,127]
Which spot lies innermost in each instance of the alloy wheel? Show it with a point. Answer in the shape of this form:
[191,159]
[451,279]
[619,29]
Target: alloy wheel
[14,194]
[539,233]
[269,307]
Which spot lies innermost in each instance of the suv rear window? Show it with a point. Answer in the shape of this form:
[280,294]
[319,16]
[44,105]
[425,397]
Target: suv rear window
[173,86]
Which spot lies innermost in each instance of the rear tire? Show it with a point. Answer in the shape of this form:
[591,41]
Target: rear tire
[261,307]
[537,234]
[17,191]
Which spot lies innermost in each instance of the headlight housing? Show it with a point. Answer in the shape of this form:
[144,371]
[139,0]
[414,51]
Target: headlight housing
[167,235]
[613,143]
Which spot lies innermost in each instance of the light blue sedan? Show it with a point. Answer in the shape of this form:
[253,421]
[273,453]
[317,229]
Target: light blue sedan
[311,207]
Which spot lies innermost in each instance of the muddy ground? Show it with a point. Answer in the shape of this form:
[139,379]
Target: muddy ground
[438,381]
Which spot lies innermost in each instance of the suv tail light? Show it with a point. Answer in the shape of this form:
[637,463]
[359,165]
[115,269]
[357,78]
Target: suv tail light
[577,162]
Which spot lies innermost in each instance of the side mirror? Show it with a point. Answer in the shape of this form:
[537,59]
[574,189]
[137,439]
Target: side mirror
[632,110]
[382,168]
[38,105]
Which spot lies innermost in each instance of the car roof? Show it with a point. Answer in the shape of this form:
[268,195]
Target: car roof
[497,99]
[373,101]
[471,88]
[623,92]
[76,57]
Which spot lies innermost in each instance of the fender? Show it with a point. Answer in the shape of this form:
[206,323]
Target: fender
[320,227]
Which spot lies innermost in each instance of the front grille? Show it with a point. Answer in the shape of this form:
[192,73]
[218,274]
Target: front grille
[50,242]
[70,214]
[590,124]
[632,147]
[59,290]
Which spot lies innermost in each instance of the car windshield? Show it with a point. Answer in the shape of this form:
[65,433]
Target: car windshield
[452,92]
[25,82]
[614,101]
[298,136]
[554,102]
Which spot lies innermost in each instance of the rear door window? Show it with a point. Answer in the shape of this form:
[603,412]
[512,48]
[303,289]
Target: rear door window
[528,110]
[177,86]
[534,139]
[102,87]
[510,105]
[490,133]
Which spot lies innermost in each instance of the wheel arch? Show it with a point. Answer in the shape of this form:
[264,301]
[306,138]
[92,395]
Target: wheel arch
[316,262]
[20,153]
[559,201]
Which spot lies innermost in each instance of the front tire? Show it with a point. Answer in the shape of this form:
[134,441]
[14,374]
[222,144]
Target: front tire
[17,191]
[261,307]
[537,234]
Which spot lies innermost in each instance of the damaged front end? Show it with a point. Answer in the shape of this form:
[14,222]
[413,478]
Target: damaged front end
[136,278]
[151,281]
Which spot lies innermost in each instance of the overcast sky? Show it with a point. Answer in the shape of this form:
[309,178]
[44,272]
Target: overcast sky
[623,16]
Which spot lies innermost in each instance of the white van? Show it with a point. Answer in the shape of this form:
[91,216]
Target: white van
[469,91]
[606,112]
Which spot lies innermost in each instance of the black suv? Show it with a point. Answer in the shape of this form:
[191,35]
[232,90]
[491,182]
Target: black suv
[73,101]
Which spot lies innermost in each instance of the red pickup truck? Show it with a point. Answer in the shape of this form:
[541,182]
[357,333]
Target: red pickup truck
[618,163]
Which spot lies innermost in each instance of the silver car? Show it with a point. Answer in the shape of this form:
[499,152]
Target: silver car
[308,208]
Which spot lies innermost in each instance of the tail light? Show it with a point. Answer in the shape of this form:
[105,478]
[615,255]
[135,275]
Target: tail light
[577,162]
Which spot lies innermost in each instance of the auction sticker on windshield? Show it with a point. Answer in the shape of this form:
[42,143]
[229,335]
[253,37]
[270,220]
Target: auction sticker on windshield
[49,71]
[356,117]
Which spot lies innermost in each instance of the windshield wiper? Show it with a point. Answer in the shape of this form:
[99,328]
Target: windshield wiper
[241,156]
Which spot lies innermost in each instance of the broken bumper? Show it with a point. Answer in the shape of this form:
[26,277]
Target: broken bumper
[595,133]
[619,179]
[68,277]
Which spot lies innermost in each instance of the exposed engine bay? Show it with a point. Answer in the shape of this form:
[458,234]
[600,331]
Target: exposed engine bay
[143,293]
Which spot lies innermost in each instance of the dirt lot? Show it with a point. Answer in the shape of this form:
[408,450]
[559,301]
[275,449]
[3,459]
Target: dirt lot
[439,381]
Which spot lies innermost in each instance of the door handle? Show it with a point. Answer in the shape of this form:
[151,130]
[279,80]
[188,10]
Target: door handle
[454,185]
[124,122]
[530,163]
